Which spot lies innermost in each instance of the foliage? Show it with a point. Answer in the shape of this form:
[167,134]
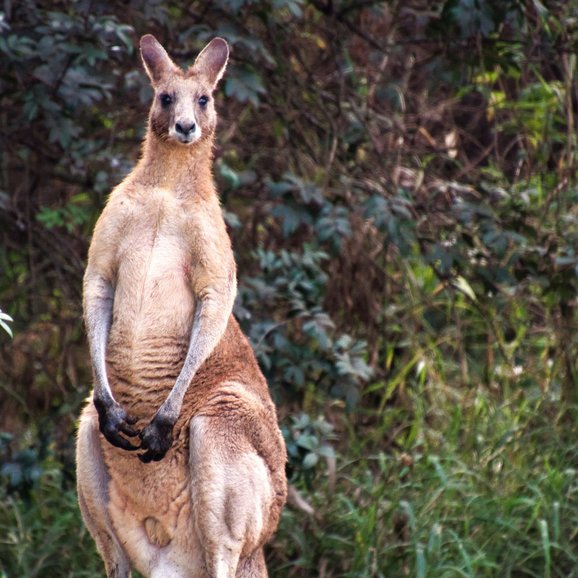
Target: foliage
[20,470]
[308,443]
[45,536]
[399,180]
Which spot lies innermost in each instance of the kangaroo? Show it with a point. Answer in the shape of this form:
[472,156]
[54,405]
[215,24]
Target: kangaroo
[180,461]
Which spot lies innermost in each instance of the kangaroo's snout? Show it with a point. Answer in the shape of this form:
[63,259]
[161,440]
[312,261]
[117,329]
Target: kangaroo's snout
[185,128]
[185,131]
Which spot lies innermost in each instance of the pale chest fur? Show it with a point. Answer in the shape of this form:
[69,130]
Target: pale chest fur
[155,255]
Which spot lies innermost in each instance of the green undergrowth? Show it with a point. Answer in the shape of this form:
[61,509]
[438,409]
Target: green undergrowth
[478,497]
[42,535]
[492,491]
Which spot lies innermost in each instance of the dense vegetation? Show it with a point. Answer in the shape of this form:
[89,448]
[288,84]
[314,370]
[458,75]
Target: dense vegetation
[399,180]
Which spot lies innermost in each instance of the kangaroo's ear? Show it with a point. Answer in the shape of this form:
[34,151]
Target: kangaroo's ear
[156,61]
[212,61]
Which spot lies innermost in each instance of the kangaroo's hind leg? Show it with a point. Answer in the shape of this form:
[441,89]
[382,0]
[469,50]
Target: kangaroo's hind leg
[92,483]
[233,494]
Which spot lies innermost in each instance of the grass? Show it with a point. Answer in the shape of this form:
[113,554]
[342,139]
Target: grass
[492,491]
[43,535]
[483,499]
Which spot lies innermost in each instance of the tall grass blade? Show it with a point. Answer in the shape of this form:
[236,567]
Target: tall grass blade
[545,536]
[420,563]
[556,521]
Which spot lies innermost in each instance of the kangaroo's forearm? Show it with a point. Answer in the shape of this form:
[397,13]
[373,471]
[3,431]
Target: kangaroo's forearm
[99,298]
[113,420]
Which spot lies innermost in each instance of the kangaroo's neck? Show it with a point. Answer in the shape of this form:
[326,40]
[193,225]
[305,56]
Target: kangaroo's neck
[186,170]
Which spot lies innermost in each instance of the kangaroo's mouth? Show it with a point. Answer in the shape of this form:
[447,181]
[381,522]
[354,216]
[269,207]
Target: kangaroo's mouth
[186,140]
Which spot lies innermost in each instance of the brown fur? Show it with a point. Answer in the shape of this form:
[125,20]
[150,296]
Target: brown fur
[208,506]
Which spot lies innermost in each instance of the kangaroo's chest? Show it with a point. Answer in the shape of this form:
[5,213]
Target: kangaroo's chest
[155,254]
[158,239]
[153,299]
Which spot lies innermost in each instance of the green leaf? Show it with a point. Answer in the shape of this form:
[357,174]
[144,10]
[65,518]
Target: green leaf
[308,442]
[462,285]
[245,85]
[310,461]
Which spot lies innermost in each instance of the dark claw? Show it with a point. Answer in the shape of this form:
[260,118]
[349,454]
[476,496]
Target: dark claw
[112,419]
[156,439]
[131,419]
[126,429]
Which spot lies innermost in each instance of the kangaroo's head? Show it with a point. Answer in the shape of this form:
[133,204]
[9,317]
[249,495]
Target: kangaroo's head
[183,111]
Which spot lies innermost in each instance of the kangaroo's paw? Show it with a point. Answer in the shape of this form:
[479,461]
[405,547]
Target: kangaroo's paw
[156,438]
[113,421]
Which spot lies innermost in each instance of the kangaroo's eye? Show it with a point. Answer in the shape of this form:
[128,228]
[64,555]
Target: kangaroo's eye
[203,100]
[166,100]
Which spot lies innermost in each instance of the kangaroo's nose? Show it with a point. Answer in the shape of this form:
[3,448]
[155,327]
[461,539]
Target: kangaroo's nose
[185,128]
